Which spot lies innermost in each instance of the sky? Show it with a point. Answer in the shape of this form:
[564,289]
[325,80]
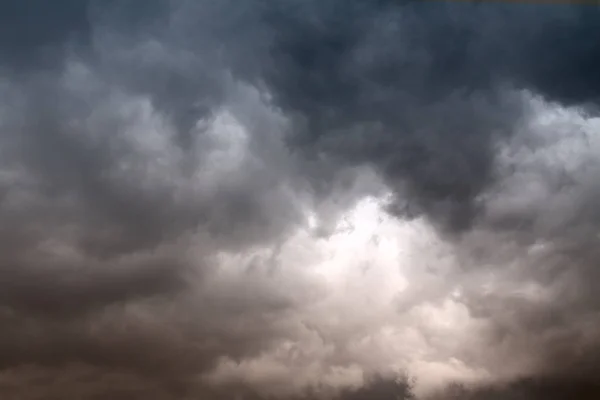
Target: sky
[299,199]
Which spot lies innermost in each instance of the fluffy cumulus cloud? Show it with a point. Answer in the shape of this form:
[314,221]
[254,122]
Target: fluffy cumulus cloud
[294,199]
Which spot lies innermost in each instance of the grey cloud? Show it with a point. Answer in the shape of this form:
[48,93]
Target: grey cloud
[38,31]
[104,209]
[117,192]
[418,89]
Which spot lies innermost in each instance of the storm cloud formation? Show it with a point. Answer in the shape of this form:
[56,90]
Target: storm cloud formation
[284,198]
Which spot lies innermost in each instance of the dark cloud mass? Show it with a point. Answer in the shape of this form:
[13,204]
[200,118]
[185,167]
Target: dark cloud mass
[158,160]
[367,80]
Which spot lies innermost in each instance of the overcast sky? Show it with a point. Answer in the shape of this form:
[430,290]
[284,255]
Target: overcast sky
[280,197]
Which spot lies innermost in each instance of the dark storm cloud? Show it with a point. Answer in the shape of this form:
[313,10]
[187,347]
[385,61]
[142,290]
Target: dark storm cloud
[92,222]
[533,389]
[35,31]
[419,89]
[39,33]
[82,382]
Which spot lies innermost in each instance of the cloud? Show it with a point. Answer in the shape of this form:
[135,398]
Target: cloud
[283,198]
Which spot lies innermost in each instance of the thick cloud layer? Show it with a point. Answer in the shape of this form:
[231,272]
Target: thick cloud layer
[282,198]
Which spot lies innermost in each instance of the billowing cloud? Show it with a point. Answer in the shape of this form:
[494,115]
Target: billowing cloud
[288,198]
